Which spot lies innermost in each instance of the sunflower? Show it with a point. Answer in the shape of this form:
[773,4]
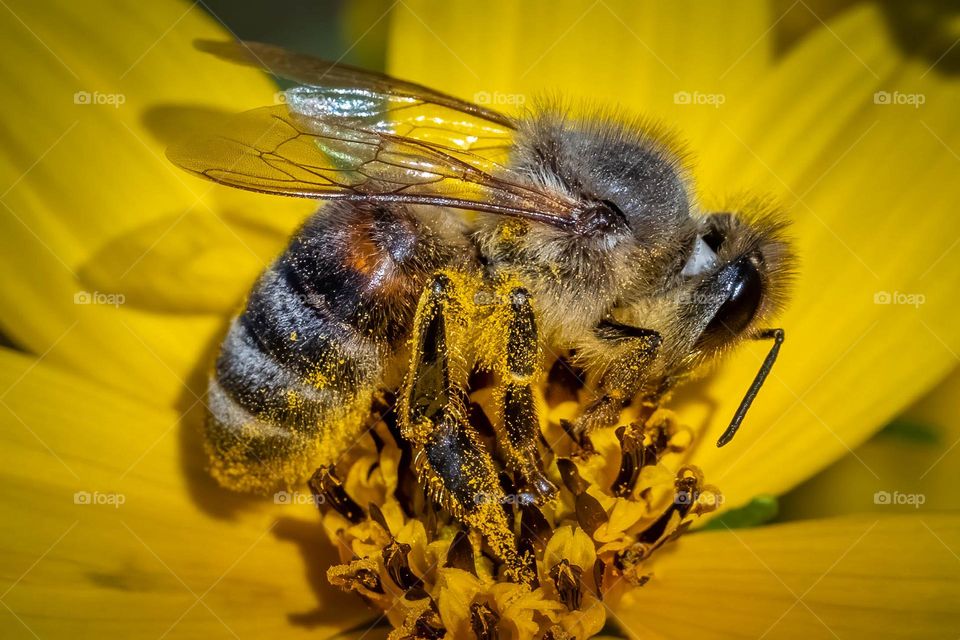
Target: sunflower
[121,274]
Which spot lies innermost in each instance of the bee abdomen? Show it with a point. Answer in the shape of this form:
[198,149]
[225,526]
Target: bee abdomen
[297,371]
[266,426]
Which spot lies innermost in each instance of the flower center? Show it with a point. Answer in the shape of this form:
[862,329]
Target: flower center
[624,493]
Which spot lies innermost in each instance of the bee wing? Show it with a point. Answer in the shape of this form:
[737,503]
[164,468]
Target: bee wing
[329,156]
[359,135]
[313,72]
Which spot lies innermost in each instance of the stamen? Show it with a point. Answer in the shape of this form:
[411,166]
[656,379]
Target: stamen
[460,553]
[571,476]
[484,621]
[429,626]
[631,459]
[377,516]
[328,490]
[599,568]
[567,578]
[534,528]
[590,513]
[360,575]
[395,560]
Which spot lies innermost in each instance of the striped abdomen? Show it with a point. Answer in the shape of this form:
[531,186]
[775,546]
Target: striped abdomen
[297,370]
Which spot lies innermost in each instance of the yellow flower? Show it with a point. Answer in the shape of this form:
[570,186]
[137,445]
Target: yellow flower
[120,273]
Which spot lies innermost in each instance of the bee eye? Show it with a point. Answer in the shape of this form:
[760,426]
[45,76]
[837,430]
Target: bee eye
[744,291]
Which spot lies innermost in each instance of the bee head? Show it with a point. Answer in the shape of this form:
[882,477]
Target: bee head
[735,278]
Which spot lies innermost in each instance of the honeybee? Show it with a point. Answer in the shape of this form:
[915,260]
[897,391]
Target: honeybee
[458,238]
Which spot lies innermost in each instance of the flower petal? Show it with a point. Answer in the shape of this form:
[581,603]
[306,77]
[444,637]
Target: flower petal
[637,54]
[115,531]
[857,577]
[918,472]
[871,324]
[92,206]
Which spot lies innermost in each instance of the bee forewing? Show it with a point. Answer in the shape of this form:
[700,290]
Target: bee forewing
[314,72]
[277,150]
[403,116]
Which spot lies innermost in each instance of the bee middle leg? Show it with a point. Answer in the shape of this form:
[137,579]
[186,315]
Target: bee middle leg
[453,464]
[624,377]
[519,427]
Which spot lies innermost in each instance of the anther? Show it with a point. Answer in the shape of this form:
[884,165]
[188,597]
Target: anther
[398,568]
[360,576]
[567,578]
[429,626]
[460,553]
[377,516]
[599,568]
[590,513]
[571,476]
[534,528]
[327,489]
[484,621]
[631,459]
[369,580]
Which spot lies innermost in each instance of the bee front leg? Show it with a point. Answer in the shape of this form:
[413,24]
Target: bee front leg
[624,377]
[520,425]
[453,464]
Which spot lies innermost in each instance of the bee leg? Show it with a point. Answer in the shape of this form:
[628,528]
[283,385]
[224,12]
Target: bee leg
[520,424]
[624,377]
[453,463]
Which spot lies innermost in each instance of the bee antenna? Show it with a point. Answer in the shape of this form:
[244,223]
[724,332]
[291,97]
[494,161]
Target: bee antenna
[766,334]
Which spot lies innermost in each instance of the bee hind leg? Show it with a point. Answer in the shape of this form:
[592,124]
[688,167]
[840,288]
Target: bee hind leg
[624,377]
[520,424]
[452,462]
